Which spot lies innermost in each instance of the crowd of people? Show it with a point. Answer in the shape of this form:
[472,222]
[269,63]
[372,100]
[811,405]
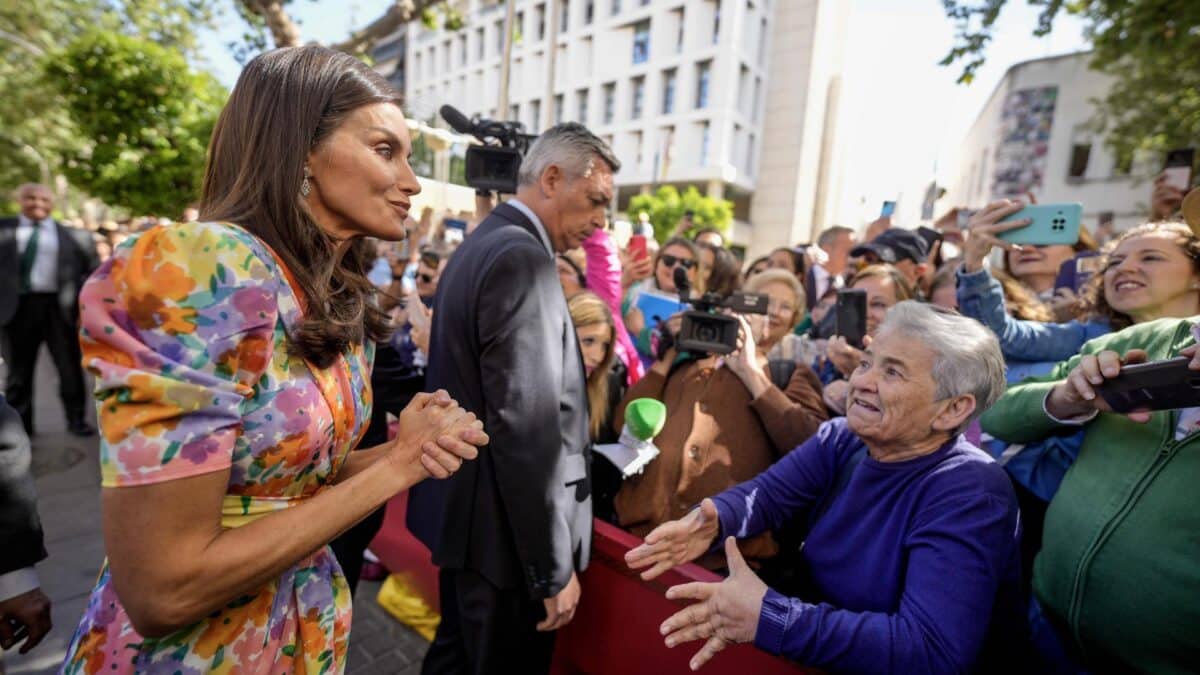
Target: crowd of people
[947,494]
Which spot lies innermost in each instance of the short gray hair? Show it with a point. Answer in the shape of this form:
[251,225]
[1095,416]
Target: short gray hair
[967,356]
[569,146]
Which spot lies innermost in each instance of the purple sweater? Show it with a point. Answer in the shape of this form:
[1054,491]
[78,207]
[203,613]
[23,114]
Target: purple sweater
[915,563]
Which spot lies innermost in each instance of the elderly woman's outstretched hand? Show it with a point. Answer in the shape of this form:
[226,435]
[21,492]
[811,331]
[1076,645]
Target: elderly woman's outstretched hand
[436,434]
[725,612]
[676,542]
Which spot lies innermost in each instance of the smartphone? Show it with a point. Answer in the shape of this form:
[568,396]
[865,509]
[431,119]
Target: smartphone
[889,208]
[1052,224]
[1076,272]
[637,246]
[964,218]
[1178,168]
[850,315]
[1158,385]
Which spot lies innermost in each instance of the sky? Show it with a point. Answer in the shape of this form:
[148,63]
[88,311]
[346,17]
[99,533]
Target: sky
[902,114]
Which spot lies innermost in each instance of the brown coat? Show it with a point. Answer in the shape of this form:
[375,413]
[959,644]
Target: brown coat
[715,437]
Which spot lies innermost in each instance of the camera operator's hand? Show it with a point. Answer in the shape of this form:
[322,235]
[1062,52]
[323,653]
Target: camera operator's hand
[743,361]
[1166,200]
[1076,397]
[983,229]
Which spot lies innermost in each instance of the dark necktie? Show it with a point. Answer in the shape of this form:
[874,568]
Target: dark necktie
[28,256]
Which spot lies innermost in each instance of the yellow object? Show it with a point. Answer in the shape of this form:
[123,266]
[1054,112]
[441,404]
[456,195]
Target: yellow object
[398,598]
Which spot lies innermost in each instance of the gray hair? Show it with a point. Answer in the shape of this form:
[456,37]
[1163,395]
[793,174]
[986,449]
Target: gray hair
[569,146]
[967,357]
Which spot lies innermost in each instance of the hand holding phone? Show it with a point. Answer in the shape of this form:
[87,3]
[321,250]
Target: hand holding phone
[637,246]
[1178,168]
[888,209]
[1158,385]
[850,316]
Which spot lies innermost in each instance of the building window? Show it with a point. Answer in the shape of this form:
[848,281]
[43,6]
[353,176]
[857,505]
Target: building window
[757,98]
[589,10]
[417,64]
[703,75]
[716,25]
[564,17]
[762,42]
[514,112]
[558,109]
[480,44]
[637,143]
[581,98]
[680,34]
[1123,163]
[616,7]
[500,38]
[639,97]
[643,3]
[745,103]
[705,133]
[610,100]
[540,17]
[668,98]
[519,28]
[641,42]
[750,155]
[1080,153]
[462,50]
[535,118]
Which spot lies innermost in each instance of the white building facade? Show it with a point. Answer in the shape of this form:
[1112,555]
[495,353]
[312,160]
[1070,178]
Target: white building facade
[1034,135]
[735,97]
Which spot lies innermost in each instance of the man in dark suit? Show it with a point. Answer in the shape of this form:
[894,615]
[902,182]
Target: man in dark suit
[510,530]
[24,608]
[43,264]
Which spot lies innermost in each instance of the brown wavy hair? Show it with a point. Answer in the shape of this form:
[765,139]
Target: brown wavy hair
[286,103]
[1095,304]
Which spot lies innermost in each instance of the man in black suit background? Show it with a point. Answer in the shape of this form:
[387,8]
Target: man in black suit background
[510,530]
[43,264]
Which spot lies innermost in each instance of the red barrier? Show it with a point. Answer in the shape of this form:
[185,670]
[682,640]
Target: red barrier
[615,629]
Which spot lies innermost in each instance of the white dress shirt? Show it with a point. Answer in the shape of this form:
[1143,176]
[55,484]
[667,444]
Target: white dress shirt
[43,278]
[537,223]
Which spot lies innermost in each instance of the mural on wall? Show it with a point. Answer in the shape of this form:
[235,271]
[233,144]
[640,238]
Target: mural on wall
[1025,123]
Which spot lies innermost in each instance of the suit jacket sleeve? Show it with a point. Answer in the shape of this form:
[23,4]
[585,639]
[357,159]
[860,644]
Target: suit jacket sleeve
[521,367]
[20,529]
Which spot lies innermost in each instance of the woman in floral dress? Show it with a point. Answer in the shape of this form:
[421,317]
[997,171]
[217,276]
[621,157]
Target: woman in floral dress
[232,365]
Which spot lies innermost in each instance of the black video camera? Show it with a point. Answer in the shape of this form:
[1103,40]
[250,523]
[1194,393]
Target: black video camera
[495,164]
[704,330]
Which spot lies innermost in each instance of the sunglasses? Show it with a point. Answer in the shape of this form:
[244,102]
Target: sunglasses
[671,261]
[425,278]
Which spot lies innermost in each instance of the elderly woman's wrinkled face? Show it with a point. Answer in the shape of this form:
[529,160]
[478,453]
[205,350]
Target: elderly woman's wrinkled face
[892,393]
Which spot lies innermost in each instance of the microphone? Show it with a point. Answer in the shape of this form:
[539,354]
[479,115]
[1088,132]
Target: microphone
[457,121]
[644,419]
[681,283]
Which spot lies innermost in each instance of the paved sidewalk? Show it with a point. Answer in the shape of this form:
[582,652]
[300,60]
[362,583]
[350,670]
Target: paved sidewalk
[68,480]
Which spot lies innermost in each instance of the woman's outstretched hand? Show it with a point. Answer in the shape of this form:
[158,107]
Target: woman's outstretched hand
[676,542]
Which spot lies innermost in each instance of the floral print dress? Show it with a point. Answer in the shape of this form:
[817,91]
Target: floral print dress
[186,332]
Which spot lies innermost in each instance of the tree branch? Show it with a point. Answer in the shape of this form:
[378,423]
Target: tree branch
[284,31]
[400,13]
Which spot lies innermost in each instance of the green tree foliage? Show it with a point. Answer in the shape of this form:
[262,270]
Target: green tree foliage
[36,131]
[1150,47]
[666,207]
[146,115]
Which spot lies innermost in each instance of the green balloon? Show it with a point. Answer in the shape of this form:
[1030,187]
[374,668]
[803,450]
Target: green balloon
[645,417]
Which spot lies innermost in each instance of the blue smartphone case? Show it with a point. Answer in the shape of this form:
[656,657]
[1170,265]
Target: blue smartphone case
[1052,224]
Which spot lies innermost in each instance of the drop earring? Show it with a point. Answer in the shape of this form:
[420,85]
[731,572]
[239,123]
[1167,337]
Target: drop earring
[305,186]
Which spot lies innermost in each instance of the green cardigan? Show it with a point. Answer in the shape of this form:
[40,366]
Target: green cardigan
[1119,567]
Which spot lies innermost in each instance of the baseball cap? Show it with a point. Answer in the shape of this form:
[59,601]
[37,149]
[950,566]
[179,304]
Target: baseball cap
[894,245]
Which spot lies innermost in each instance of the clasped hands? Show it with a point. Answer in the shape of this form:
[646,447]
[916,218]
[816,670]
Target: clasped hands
[436,435]
[720,613]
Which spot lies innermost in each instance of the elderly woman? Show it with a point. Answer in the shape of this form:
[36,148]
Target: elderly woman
[912,546]
[727,419]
